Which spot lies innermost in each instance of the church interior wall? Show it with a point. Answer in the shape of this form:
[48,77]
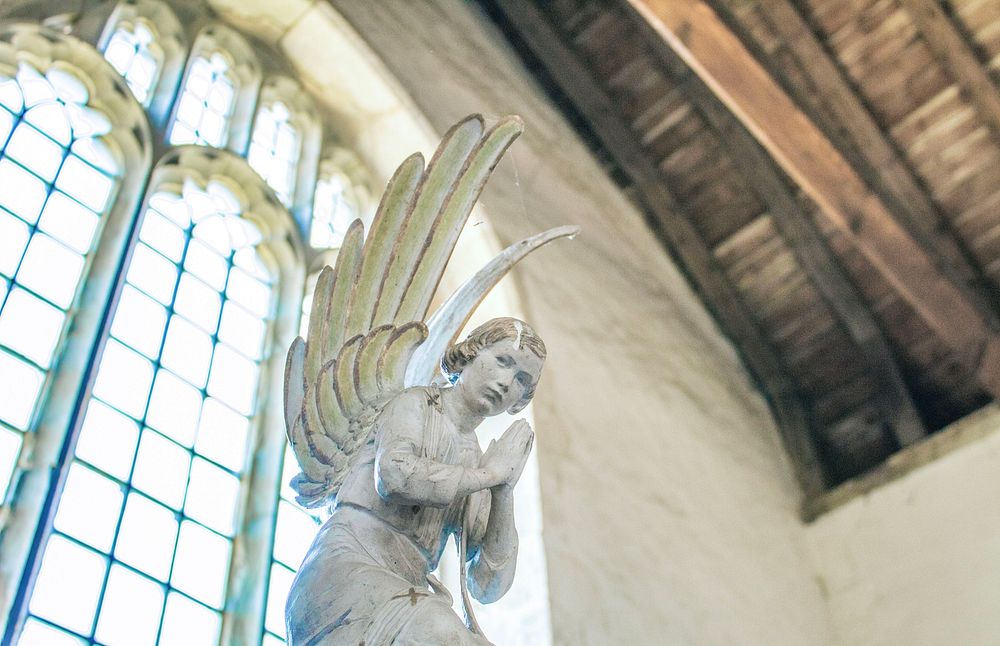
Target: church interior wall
[915,561]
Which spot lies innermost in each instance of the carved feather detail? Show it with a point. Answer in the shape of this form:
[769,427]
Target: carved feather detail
[368,311]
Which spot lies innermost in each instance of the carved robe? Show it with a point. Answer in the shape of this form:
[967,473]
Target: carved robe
[366,577]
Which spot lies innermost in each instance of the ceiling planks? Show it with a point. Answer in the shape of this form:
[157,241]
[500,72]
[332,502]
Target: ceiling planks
[674,226]
[808,244]
[700,38]
[808,72]
[818,261]
[960,60]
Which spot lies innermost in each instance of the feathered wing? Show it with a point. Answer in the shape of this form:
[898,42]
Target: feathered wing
[368,310]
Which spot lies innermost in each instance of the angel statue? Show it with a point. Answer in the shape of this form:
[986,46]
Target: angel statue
[382,408]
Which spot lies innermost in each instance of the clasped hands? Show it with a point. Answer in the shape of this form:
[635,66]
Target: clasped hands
[504,459]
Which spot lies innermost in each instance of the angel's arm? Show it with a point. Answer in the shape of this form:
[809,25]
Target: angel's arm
[492,553]
[403,475]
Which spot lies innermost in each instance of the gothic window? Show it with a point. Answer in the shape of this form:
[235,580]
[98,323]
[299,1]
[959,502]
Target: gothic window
[133,51]
[206,102]
[151,505]
[275,149]
[139,534]
[341,196]
[52,150]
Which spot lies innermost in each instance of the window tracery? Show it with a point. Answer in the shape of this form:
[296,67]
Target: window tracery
[177,382]
[141,540]
[341,195]
[133,51]
[51,149]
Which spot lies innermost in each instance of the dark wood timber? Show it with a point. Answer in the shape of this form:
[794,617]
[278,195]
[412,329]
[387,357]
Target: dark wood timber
[941,35]
[695,32]
[674,227]
[820,87]
[809,247]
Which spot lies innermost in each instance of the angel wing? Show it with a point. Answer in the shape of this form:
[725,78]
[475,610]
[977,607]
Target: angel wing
[367,339]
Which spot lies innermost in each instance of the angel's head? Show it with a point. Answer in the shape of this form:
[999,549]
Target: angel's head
[498,364]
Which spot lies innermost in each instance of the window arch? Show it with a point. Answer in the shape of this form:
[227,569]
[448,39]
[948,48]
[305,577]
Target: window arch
[66,177]
[284,143]
[69,127]
[341,195]
[218,93]
[162,463]
[146,44]
[110,473]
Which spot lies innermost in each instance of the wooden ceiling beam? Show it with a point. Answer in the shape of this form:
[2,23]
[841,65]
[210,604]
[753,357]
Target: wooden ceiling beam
[674,229]
[960,61]
[822,89]
[808,245]
[695,32]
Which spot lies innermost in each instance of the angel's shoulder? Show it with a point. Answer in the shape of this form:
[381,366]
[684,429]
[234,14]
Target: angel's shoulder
[415,399]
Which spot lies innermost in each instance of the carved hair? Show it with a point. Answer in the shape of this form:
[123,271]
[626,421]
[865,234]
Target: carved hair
[518,332]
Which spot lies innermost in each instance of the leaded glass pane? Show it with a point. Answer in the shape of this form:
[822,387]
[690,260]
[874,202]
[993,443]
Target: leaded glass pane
[45,234]
[165,436]
[89,508]
[69,584]
[275,149]
[133,52]
[39,633]
[206,103]
[131,609]
[189,623]
[335,206]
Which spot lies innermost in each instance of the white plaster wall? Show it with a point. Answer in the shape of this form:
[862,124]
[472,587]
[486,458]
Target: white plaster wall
[916,562]
[669,511]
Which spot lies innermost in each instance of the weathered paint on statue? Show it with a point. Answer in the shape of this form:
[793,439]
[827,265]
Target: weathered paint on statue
[365,578]
[388,444]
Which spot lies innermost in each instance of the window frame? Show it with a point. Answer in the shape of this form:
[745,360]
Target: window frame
[41,455]
[170,38]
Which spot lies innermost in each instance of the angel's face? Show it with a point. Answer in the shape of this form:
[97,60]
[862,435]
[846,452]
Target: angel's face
[498,377]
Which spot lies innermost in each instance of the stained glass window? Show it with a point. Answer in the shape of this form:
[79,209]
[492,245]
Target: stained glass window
[65,175]
[206,103]
[132,51]
[335,206]
[274,149]
[143,535]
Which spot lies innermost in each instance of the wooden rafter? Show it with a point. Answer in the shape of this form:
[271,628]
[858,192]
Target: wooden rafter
[674,227]
[821,88]
[809,247]
[829,278]
[694,31]
[944,39]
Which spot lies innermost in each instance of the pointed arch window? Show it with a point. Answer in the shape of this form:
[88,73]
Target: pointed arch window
[206,102]
[341,196]
[275,148]
[65,174]
[133,51]
[151,505]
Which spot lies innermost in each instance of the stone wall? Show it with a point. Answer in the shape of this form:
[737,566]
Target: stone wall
[669,509]
[916,562]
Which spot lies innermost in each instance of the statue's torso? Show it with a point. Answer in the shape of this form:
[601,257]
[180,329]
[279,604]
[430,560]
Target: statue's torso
[428,527]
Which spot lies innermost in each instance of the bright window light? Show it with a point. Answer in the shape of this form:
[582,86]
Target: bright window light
[164,443]
[335,206]
[206,103]
[274,149]
[132,50]
[49,142]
